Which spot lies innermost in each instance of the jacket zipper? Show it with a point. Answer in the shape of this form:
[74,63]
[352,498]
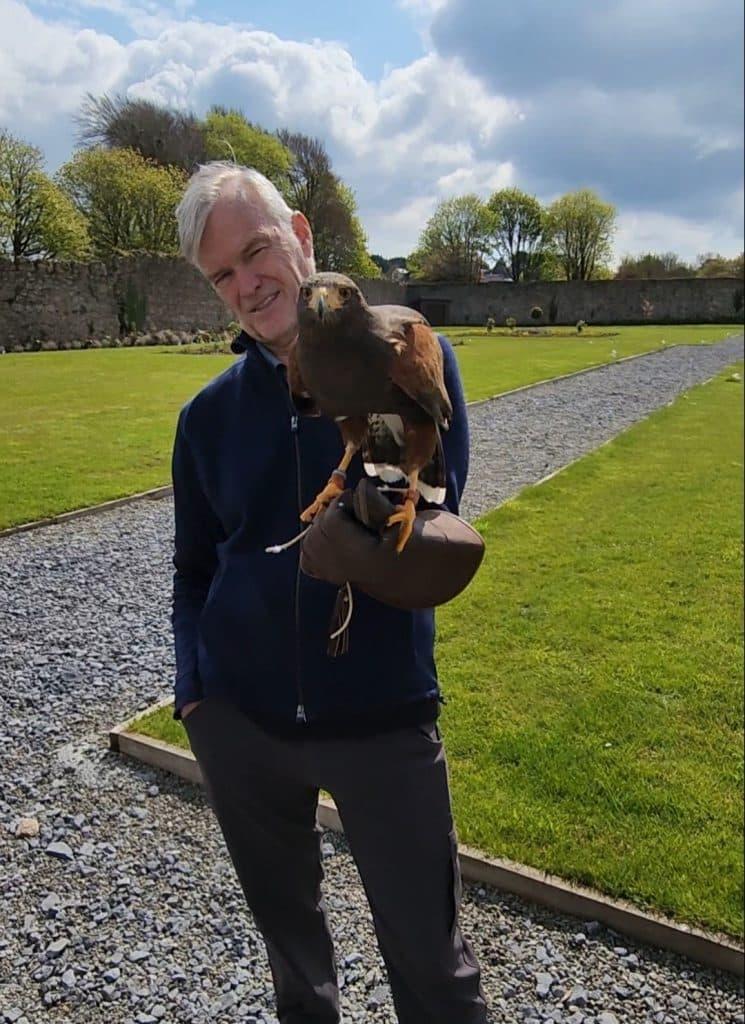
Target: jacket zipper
[300,717]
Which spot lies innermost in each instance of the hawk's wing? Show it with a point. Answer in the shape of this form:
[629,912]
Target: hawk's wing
[301,397]
[417,367]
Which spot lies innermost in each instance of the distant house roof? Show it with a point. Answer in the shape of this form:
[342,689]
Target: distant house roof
[487,276]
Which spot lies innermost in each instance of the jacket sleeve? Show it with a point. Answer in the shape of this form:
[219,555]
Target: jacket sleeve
[455,441]
[197,534]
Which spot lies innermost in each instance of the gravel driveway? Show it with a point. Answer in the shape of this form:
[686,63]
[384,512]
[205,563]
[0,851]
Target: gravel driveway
[125,908]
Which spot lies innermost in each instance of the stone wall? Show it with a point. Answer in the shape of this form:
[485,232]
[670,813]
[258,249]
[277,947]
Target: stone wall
[69,301]
[380,292]
[74,301]
[690,300]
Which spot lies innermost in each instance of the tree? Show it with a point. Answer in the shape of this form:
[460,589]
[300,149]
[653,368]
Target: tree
[394,269]
[454,244]
[63,231]
[228,135]
[518,234]
[128,201]
[165,136]
[711,264]
[652,265]
[37,220]
[381,263]
[310,179]
[580,226]
[330,206]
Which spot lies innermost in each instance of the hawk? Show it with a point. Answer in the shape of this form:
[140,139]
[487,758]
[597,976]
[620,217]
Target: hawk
[378,371]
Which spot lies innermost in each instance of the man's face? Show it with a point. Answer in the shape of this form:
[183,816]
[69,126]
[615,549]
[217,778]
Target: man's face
[256,265]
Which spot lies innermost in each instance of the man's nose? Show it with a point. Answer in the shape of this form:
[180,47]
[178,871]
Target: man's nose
[247,280]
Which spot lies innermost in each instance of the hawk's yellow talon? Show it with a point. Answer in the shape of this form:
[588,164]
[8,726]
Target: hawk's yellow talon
[323,498]
[405,516]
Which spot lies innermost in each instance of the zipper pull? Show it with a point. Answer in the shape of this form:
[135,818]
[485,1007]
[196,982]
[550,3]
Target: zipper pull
[300,718]
[293,424]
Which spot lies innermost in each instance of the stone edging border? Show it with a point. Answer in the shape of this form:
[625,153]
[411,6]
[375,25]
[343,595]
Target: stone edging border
[89,510]
[708,948]
[167,490]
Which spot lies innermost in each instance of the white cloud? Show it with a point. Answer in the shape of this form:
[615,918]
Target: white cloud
[483,179]
[396,231]
[423,13]
[44,70]
[424,8]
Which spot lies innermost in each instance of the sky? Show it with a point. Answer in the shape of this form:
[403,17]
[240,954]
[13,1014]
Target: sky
[421,100]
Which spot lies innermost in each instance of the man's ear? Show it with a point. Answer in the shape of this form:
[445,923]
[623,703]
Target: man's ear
[303,233]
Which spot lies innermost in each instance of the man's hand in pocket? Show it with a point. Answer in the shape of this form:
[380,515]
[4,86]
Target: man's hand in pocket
[187,709]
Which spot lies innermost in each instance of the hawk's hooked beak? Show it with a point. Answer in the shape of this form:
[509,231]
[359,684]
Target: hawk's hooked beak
[323,301]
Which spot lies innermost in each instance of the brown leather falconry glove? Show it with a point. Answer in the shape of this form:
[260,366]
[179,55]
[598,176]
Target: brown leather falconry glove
[348,543]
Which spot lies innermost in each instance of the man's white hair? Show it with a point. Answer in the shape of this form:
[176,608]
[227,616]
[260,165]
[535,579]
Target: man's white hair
[206,186]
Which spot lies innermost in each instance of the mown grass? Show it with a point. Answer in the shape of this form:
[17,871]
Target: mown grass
[82,427]
[595,674]
[594,669]
[77,428]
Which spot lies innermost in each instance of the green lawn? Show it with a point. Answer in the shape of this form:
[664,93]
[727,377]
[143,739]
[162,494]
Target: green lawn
[77,428]
[594,669]
[81,427]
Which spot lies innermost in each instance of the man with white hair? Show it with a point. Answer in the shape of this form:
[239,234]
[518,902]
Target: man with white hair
[270,716]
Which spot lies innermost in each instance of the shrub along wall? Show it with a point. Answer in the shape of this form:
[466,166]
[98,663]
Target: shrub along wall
[42,301]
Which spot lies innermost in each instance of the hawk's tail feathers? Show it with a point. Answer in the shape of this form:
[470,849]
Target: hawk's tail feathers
[432,479]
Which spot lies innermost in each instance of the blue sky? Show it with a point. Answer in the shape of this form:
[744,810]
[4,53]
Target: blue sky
[419,100]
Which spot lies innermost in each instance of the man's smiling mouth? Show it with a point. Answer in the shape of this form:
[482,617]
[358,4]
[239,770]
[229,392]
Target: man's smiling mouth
[265,303]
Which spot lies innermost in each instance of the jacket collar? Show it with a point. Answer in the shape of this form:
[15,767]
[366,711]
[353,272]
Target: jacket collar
[241,343]
[244,342]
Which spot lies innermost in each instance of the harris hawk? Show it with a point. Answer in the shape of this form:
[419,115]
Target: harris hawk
[378,371]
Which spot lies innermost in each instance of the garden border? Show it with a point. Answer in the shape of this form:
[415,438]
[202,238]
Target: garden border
[166,490]
[89,510]
[712,949]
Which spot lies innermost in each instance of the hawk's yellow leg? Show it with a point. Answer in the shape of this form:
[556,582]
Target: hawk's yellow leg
[334,487]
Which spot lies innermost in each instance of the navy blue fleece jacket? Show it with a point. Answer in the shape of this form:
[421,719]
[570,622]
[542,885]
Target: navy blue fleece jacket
[249,627]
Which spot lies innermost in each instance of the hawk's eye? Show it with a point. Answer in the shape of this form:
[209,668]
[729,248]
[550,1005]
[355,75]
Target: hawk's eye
[344,293]
[305,291]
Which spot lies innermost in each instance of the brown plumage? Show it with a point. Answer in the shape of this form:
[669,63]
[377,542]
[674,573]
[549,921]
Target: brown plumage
[378,371]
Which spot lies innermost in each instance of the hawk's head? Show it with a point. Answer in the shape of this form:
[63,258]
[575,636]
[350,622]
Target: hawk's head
[327,298]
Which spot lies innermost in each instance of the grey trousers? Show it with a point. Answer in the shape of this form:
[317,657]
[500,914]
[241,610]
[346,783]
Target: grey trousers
[392,794]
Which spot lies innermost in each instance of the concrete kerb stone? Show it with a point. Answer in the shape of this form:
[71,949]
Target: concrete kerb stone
[709,948]
[166,491]
[90,510]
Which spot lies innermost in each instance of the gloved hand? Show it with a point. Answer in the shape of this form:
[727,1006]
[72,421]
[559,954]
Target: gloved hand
[349,542]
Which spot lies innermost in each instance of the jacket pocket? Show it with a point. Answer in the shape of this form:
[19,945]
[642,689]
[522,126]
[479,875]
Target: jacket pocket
[188,721]
[430,731]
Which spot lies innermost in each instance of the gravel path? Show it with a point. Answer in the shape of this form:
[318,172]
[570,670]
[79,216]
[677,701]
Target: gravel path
[124,909]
